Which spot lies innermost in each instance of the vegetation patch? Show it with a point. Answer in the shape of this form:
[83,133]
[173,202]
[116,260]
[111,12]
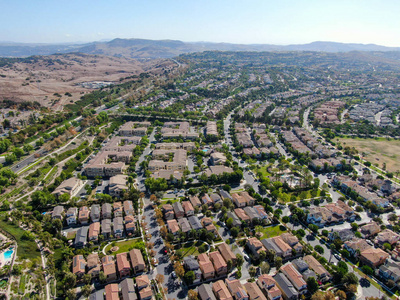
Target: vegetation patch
[271,231]
[125,246]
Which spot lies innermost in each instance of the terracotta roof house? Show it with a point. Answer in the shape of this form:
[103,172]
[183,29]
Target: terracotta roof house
[188,208]
[95,213]
[221,291]
[219,263]
[206,266]
[287,288]
[317,267]
[292,241]
[241,215]
[128,208]
[83,216]
[94,231]
[356,246]
[124,267]
[249,199]
[109,269]
[236,289]
[387,236]
[195,201]
[227,253]
[146,292]
[106,211]
[268,284]
[78,265]
[295,277]
[178,210]
[254,291]
[207,200]
[127,288]
[255,246]
[285,248]
[374,257]
[112,291]
[205,292]
[93,264]
[130,226]
[137,261]
[173,226]
[142,281]
[238,200]
[117,209]
[261,212]
[168,211]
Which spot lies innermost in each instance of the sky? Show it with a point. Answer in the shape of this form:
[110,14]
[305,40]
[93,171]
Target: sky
[280,22]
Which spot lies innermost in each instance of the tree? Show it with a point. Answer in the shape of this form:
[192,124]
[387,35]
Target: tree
[239,260]
[278,262]
[252,271]
[341,294]
[350,278]
[319,249]
[367,270]
[265,267]
[312,285]
[86,290]
[229,265]
[192,295]
[179,270]
[87,278]
[160,278]
[102,277]
[189,277]
[285,219]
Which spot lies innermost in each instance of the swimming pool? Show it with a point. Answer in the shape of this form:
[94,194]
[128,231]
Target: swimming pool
[205,150]
[8,254]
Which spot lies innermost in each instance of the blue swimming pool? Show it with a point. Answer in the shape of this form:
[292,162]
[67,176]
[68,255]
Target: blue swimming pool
[8,254]
[205,150]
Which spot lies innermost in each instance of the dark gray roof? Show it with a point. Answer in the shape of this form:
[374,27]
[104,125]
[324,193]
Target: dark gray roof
[251,212]
[106,226]
[106,209]
[269,244]
[184,224]
[98,295]
[224,194]
[178,207]
[215,198]
[128,289]
[300,264]
[236,221]
[286,286]
[344,235]
[118,223]
[190,263]
[95,211]
[205,292]
[195,222]
[81,235]
[57,211]
[308,273]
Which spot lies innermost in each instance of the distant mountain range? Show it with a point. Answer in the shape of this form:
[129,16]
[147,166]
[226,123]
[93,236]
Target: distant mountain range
[143,48]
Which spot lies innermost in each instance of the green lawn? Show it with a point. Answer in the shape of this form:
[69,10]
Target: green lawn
[271,231]
[26,249]
[125,246]
[22,283]
[190,248]
[263,171]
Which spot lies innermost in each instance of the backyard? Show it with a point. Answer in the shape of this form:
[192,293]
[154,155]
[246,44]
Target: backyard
[271,231]
[125,246]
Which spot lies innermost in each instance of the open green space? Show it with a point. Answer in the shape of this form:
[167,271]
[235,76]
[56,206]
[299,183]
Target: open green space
[22,283]
[27,249]
[190,248]
[271,231]
[125,246]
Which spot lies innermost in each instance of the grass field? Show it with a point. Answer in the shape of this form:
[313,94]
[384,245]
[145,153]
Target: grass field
[271,231]
[27,249]
[190,248]
[377,151]
[125,246]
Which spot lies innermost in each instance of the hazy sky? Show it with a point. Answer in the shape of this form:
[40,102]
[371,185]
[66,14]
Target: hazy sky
[234,21]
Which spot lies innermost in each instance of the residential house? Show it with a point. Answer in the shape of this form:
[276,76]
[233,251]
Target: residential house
[93,264]
[127,288]
[71,215]
[81,237]
[285,248]
[143,284]
[261,212]
[195,201]
[220,266]
[292,241]
[295,277]
[390,270]
[78,265]
[221,291]
[184,225]
[238,200]
[387,236]
[216,198]
[268,284]
[173,226]
[252,213]
[117,209]
[130,226]
[255,246]
[225,195]
[58,212]
[374,257]
[69,186]
[94,231]
[195,223]
[227,253]
[106,228]
[317,267]
[188,208]
[370,229]
[95,213]
[287,288]
[191,264]
[205,292]
[112,291]
[270,246]
[109,269]
[254,291]
[123,265]
[249,199]
[106,211]
[206,266]
[128,208]
[217,158]
[243,217]
[83,215]
[236,289]
[344,235]
[118,227]
[118,185]
[137,261]
[356,246]
[207,200]
[178,210]
[300,265]
[235,220]
[168,211]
